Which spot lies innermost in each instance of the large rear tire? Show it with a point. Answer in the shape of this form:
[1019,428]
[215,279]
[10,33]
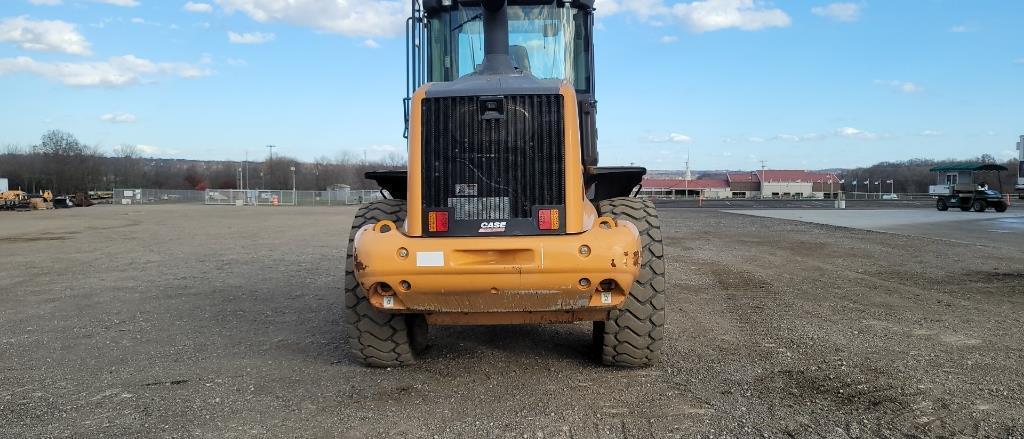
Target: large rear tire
[979,206]
[633,335]
[1001,207]
[375,338]
[941,205]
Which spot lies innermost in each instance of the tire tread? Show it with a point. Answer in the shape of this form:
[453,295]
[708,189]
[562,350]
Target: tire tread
[632,335]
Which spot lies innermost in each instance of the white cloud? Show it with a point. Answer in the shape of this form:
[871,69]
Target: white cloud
[235,62]
[853,133]
[124,3]
[931,133]
[670,138]
[119,118]
[1018,61]
[116,71]
[46,2]
[903,86]
[798,138]
[846,12]
[755,139]
[668,39]
[712,15]
[44,35]
[351,18]
[605,8]
[155,150]
[960,28]
[250,37]
[138,20]
[202,8]
[373,44]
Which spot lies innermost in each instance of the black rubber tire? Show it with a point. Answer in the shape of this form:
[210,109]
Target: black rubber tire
[375,338]
[633,336]
[941,205]
[965,208]
[1001,207]
[979,206]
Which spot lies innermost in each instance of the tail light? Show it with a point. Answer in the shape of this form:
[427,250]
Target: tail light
[547,219]
[437,221]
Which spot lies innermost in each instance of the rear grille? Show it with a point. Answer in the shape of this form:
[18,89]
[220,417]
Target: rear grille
[493,169]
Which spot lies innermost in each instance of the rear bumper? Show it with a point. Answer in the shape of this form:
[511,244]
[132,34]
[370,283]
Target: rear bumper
[511,274]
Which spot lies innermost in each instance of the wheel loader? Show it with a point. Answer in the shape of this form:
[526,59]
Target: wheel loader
[503,215]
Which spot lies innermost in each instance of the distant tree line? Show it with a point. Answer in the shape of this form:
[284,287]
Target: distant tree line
[63,164]
[912,176]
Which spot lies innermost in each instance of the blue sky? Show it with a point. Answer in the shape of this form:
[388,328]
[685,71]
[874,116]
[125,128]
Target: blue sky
[800,84]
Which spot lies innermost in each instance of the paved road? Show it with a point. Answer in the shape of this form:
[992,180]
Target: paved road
[989,228]
[809,204]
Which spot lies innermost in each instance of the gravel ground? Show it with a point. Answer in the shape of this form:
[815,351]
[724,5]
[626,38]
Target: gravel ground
[195,321]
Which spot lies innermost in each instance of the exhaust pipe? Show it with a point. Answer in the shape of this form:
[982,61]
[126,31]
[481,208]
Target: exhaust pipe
[496,58]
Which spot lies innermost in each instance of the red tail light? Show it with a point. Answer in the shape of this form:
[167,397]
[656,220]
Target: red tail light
[547,219]
[437,221]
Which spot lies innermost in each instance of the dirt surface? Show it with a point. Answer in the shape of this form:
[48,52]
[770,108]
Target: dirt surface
[183,321]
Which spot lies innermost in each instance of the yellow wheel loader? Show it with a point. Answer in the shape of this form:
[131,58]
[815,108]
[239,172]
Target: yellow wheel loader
[503,216]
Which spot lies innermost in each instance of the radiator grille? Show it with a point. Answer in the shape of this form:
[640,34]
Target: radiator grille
[493,169]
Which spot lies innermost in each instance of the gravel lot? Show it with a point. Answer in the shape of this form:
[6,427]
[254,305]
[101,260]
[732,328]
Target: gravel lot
[195,321]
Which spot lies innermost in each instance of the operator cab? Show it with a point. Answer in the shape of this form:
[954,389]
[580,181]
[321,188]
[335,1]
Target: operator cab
[546,40]
[550,40]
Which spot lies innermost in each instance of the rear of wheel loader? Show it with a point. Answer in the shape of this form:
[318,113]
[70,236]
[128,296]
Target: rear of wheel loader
[503,216]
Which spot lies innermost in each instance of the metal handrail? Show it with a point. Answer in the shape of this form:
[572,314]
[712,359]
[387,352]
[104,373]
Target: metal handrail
[415,67]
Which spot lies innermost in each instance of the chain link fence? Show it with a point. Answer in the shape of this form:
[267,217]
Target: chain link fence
[130,196]
[235,197]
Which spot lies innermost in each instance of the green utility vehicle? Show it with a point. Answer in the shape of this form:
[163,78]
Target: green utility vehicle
[964,185]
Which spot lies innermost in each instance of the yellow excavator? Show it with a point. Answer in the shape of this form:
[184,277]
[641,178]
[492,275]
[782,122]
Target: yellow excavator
[503,215]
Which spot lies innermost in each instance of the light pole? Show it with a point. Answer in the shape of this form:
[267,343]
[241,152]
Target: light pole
[270,161]
[294,201]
